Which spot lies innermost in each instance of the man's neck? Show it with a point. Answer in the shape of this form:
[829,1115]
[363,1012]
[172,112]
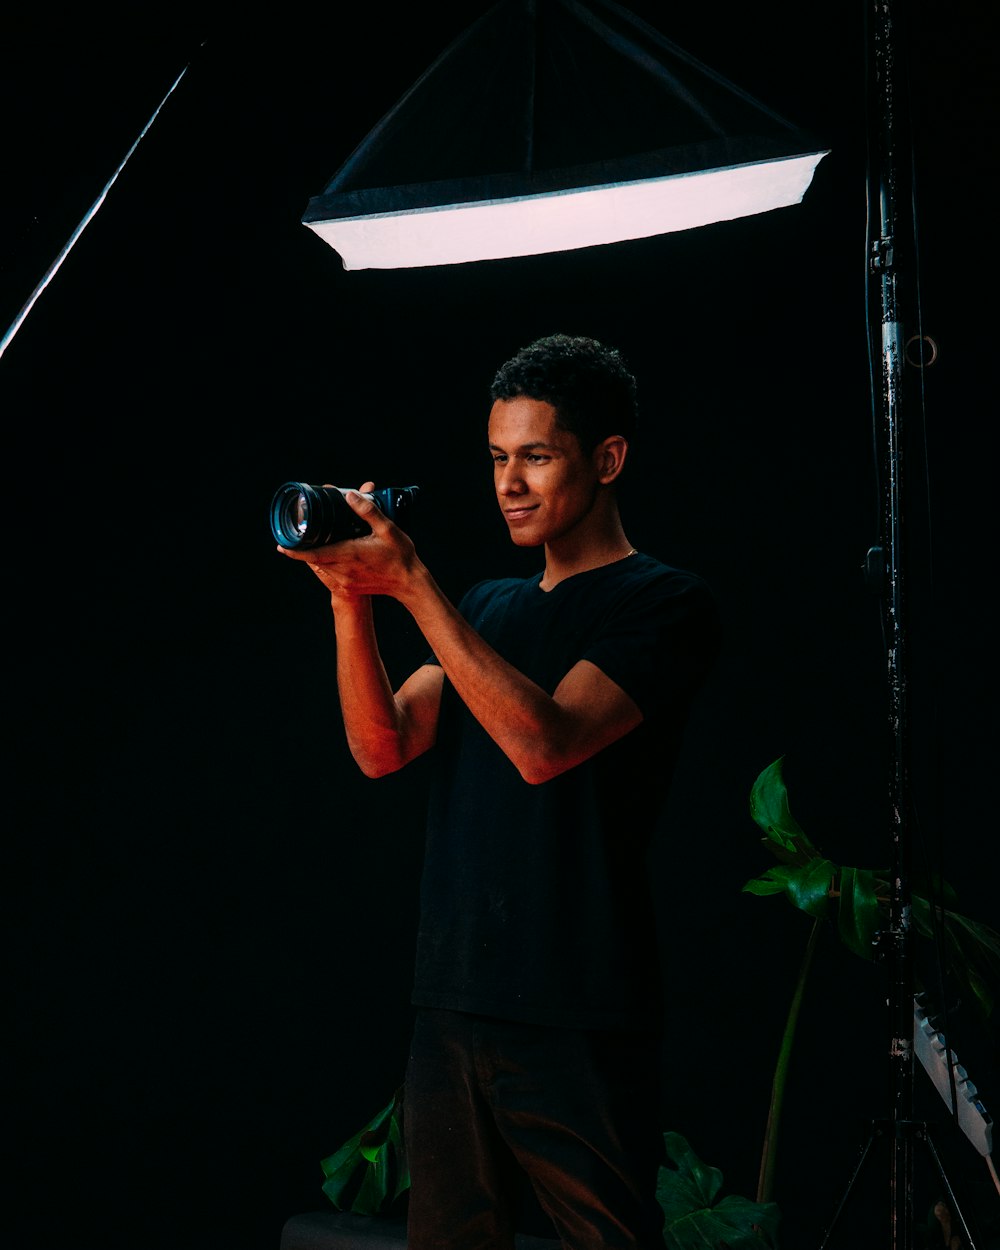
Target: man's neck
[574,554]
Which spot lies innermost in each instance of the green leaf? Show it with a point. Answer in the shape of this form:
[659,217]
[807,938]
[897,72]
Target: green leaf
[987,939]
[373,1195]
[935,887]
[770,810]
[685,1184]
[340,1167]
[973,949]
[859,911]
[770,882]
[687,1190]
[807,887]
[369,1171]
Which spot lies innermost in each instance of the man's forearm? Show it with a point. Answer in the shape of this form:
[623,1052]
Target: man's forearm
[372,719]
[537,734]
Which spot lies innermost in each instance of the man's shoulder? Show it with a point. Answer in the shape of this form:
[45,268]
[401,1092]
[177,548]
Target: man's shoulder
[648,576]
[493,588]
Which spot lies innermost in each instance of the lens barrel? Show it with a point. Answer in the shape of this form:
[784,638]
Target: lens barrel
[312,516]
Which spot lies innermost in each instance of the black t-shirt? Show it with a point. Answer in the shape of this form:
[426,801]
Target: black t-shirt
[534,899]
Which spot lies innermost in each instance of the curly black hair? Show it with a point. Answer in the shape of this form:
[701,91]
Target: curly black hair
[589,385]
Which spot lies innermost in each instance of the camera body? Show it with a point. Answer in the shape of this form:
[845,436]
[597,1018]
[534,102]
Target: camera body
[311,516]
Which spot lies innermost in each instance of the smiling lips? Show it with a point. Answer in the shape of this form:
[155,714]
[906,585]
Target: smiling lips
[519,514]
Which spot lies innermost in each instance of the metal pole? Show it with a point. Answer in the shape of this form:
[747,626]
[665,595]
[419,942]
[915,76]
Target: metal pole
[888,250]
[56,265]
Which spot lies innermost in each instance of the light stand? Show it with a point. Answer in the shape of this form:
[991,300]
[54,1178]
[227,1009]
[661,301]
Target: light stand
[897,940]
[891,184]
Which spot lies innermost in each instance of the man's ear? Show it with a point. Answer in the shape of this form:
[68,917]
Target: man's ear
[609,458]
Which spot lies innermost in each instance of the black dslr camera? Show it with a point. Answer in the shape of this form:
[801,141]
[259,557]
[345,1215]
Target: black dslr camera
[312,516]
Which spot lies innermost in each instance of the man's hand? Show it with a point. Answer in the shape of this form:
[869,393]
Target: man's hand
[380,563]
[384,730]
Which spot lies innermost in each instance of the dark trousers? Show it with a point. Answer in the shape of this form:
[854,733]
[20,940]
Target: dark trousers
[490,1102]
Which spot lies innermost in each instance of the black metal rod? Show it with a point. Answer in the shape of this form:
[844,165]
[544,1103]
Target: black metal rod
[889,250]
[873,1135]
[91,212]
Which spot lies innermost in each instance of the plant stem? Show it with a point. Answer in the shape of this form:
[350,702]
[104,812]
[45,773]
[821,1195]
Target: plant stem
[765,1182]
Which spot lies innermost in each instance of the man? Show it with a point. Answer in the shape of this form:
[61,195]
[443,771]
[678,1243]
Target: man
[554,707]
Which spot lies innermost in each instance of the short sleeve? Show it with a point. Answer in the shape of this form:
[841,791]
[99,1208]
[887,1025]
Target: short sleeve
[659,641]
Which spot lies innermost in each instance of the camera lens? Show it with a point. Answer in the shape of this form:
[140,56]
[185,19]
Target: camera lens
[311,516]
[297,514]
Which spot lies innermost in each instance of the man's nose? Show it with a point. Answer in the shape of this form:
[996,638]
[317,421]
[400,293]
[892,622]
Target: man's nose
[510,480]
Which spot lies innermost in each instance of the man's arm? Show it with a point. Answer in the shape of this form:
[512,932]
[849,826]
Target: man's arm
[542,735]
[385,730]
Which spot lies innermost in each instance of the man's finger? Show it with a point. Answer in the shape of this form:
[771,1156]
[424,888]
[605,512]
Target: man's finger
[364,506]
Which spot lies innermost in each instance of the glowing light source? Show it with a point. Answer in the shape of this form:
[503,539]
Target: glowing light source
[450,234]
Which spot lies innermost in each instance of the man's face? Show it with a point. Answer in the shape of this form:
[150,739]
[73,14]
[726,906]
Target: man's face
[545,484]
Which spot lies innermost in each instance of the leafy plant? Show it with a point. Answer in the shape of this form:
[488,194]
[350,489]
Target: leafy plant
[368,1173]
[695,1217]
[855,902]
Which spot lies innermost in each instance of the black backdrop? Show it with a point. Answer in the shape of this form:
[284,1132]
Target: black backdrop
[211,913]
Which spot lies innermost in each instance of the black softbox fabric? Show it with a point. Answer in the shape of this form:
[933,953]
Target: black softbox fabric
[538,96]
